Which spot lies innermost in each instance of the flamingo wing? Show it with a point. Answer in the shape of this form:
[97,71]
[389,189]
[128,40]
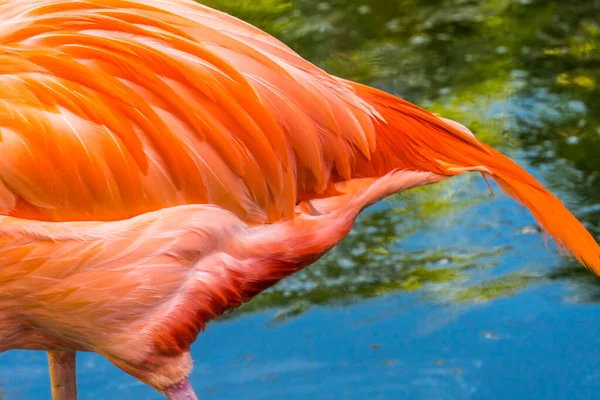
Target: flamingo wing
[112,109]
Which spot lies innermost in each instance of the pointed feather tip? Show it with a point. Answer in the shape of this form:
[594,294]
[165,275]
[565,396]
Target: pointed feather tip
[570,236]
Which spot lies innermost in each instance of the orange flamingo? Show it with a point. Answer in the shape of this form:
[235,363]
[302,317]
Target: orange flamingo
[162,163]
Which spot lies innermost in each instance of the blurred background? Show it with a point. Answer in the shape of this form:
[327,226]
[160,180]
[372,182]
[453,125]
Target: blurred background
[440,293]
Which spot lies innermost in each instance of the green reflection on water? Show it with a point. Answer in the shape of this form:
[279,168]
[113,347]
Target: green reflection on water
[521,74]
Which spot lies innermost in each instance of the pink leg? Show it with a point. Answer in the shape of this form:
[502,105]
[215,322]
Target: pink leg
[181,391]
[62,375]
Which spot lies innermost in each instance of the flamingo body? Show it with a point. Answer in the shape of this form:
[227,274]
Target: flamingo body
[162,163]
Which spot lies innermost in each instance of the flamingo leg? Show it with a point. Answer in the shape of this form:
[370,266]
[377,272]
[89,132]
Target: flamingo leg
[181,391]
[62,375]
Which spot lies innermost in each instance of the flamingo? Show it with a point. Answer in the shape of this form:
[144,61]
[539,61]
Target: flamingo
[162,163]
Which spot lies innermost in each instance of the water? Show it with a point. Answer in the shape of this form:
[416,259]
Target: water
[443,292]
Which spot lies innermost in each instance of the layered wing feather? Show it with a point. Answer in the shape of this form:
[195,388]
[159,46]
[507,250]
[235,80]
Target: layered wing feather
[115,108]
